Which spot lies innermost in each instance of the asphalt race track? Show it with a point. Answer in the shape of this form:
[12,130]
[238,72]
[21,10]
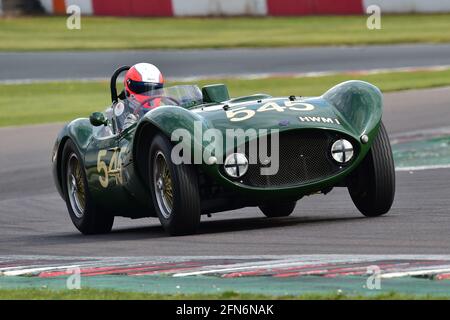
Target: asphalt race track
[34,220]
[25,66]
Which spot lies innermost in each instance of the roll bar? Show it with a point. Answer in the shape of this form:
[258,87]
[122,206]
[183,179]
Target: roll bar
[114,97]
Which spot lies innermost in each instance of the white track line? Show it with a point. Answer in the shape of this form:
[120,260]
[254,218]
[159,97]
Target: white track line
[250,76]
[35,270]
[52,80]
[421,168]
[413,273]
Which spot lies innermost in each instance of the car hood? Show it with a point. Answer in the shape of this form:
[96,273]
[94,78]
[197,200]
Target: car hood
[274,113]
[353,108]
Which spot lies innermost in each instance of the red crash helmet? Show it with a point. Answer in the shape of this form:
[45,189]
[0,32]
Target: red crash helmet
[141,80]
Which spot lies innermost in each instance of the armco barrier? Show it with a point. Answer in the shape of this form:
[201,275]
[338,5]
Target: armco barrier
[168,8]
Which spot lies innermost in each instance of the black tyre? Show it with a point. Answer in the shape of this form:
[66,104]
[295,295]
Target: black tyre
[276,210]
[86,217]
[372,185]
[174,190]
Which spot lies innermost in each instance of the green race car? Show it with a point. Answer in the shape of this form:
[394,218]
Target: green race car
[200,152]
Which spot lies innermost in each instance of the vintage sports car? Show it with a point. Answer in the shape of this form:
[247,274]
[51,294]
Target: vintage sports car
[121,162]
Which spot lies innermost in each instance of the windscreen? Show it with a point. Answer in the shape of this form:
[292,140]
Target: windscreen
[136,105]
[186,96]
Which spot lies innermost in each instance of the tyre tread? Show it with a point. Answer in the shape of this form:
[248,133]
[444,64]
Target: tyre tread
[378,172]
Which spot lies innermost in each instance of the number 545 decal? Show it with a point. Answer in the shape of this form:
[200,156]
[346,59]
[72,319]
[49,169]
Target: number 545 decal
[241,113]
[114,170]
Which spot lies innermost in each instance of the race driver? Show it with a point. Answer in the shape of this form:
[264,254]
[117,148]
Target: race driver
[141,82]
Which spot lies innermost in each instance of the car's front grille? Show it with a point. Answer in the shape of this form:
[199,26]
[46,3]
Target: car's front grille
[304,157]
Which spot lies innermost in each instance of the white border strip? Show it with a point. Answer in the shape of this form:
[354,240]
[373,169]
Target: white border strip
[219,8]
[85,6]
[409,6]
[35,270]
[47,5]
[413,273]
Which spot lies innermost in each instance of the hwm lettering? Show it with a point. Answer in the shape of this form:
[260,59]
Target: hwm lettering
[319,119]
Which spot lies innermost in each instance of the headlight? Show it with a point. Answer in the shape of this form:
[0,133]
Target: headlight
[342,151]
[236,165]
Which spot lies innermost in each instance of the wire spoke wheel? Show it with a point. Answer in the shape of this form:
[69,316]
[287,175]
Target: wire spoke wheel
[162,181]
[174,189]
[75,186]
[86,216]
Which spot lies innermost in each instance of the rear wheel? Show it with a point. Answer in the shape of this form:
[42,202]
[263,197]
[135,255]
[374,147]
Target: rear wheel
[372,185]
[174,190]
[274,210]
[85,216]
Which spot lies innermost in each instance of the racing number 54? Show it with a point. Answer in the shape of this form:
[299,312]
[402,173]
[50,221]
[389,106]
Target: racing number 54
[113,170]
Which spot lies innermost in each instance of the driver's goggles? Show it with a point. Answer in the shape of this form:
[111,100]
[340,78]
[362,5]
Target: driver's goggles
[141,87]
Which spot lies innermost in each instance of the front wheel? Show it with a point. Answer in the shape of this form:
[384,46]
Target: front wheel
[372,184]
[174,190]
[86,217]
[276,210]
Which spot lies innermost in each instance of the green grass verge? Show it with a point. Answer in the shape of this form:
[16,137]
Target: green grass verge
[94,294]
[97,33]
[53,102]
